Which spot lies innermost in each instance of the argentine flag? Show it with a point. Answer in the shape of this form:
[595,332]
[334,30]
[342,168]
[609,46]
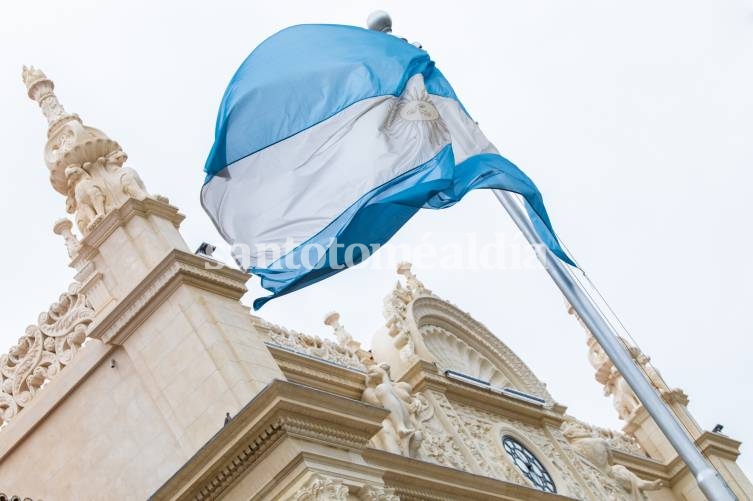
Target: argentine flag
[328,139]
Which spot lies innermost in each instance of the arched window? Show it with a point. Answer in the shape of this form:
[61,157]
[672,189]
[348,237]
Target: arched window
[528,464]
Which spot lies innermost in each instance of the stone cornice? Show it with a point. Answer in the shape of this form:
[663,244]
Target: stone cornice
[414,479]
[642,466]
[317,373]
[118,217]
[281,410]
[176,268]
[710,444]
[424,376]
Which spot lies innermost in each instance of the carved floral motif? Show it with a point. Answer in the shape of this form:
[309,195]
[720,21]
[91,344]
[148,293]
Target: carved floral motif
[441,446]
[320,488]
[43,351]
[377,493]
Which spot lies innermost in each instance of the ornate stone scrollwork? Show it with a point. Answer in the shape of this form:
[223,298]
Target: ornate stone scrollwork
[400,433]
[311,345]
[43,351]
[85,165]
[320,488]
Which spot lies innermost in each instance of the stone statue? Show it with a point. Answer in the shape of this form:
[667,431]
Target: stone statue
[624,400]
[87,197]
[598,452]
[399,430]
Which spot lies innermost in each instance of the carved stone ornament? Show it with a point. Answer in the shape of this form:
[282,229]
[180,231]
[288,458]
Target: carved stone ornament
[43,351]
[617,440]
[320,488]
[625,401]
[598,452]
[311,345]
[345,340]
[421,325]
[377,493]
[85,165]
[399,434]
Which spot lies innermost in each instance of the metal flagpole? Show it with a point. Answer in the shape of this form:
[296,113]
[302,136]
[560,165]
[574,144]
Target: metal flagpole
[709,480]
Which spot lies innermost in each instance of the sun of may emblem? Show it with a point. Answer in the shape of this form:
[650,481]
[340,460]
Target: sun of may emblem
[414,114]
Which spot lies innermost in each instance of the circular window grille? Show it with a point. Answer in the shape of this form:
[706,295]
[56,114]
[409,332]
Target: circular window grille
[529,465]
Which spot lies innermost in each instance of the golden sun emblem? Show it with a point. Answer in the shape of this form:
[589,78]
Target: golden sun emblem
[415,116]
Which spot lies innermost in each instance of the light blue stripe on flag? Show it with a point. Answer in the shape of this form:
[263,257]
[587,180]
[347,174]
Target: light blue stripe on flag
[334,136]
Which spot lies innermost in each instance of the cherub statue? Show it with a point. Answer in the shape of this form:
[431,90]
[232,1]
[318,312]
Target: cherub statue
[399,429]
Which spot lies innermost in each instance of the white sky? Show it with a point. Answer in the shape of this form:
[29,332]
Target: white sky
[634,118]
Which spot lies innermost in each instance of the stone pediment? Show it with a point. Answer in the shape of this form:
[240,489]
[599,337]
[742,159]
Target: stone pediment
[422,326]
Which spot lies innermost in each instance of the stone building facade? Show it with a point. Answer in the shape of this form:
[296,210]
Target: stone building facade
[119,390]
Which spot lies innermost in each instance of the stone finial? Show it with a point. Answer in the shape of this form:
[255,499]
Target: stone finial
[345,340]
[414,285]
[333,320]
[63,227]
[85,165]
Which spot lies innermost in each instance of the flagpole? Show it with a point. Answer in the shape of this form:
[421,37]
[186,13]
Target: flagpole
[709,480]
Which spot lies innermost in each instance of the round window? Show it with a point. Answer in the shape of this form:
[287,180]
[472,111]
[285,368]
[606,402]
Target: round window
[528,464]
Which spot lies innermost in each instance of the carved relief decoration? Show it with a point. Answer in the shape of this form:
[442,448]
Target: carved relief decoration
[596,452]
[440,446]
[434,312]
[313,346]
[420,323]
[320,488]
[452,353]
[482,434]
[377,493]
[616,440]
[43,351]
[85,165]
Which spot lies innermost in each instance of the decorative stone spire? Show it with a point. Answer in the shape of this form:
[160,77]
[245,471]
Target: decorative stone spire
[85,165]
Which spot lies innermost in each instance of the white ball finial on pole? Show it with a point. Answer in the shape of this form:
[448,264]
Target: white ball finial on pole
[379,20]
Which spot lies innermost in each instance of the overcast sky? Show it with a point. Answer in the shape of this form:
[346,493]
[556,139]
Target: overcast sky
[635,119]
